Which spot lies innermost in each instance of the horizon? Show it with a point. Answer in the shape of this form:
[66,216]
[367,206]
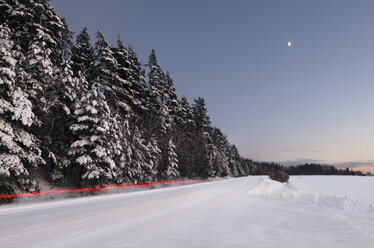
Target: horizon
[289,104]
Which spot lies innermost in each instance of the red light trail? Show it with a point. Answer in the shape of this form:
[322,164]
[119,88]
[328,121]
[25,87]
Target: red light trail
[94,188]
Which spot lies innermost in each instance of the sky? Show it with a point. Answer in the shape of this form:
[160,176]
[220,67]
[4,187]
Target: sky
[311,102]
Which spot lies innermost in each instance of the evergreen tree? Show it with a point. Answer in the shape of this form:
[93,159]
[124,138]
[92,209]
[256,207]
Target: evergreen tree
[67,90]
[40,72]
[104,67]
[93,151]
[19,16]
[157,114]
[203,153]
[82,54]
[171,166]
[171,98]
[221,153]
[19,151]
[184,137]
[145,157]
[121,87]
[163,102]
[32,20]
[136,75]
[234,159]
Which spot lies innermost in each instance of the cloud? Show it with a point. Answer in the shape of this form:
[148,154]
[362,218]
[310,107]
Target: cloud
[299,149]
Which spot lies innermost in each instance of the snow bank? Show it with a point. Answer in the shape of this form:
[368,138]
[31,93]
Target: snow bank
[281,191]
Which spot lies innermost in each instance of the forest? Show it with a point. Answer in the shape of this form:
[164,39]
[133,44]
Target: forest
[78,114]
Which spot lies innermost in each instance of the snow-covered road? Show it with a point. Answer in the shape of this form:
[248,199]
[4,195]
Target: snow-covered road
[242,212]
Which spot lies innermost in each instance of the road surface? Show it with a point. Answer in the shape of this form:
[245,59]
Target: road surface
[227,213]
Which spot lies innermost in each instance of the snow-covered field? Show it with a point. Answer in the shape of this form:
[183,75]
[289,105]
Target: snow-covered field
[310,211]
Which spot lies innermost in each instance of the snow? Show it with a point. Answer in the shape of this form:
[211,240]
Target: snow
[357,189]
[12,62]
[22,108]
[80,143]
[66,109]
[26,139]
[276,190]
[11,163]
[241,212]
[85,159]
[78,127]
[100,151]
[7,71]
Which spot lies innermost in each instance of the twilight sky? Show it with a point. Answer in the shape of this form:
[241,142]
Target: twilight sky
[313,101]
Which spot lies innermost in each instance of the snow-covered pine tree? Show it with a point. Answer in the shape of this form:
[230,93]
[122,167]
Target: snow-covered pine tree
[156,110]
[221,152]
[184,114]
[136,75]
[184,137]
[19,152]
[121,87]
[111,67]
[144,158]
[203,147]
[82,54]
[252,168]
[104,70]
[162,101]
[235,162]
[130,82]
[170,97]
[19,16]
[171,165]
[128,91]
[40,71]
[43,37]
[29,19]
[121,147]
[93,150]
[39,83]
[67,89]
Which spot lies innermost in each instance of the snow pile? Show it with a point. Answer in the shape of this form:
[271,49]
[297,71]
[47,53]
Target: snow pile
[277,190]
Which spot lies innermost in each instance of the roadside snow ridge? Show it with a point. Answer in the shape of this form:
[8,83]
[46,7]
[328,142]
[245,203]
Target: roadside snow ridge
[281,191]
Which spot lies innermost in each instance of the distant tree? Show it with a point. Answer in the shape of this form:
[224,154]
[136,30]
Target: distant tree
[279,175]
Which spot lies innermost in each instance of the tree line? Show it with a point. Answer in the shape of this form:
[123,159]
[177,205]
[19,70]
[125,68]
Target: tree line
[281,173]
[76,113]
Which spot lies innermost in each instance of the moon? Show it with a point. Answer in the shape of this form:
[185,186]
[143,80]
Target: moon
[289,44]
